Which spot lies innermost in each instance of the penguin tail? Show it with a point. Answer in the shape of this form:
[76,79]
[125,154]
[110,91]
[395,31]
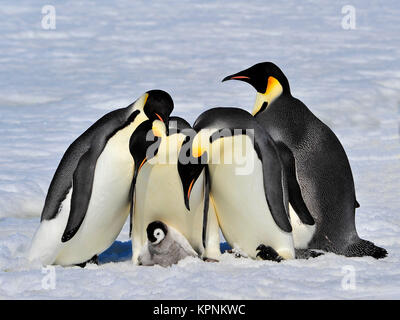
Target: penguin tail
[363,248]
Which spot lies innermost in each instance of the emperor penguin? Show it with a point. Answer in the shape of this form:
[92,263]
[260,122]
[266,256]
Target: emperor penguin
[89,196]
[165,246]
[319,161]
[248,182]
[158,193]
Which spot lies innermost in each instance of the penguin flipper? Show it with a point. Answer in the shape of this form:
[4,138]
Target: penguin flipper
[206,204]
[82,185]
[131,211]
[275,188]
[131,194]
[295,197]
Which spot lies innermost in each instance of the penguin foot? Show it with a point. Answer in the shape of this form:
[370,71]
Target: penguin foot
[363,248]
[268,253]
[82,265]
[307,254]
[94,259]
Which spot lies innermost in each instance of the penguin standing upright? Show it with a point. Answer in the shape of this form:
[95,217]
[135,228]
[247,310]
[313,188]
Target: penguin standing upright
[248,182]
[315,154]
[157,190]
[88,199]
[164,246]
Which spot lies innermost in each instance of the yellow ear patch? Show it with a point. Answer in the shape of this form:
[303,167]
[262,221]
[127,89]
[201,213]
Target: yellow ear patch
[158,128]
[272,85]
[198,145]
[273,91]
[197,152]
[145,99]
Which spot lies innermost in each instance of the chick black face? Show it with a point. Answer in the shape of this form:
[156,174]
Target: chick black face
[158,106]
[156,232]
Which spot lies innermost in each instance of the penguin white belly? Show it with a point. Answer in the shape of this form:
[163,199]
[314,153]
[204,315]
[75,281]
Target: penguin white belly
[302,233]
[46,242]
[109,203]
[241,206]
[159,196]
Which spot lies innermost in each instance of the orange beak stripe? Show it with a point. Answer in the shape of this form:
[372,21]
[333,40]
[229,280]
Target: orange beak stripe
[190,189]
[141,165]
[240,77]
[158,116]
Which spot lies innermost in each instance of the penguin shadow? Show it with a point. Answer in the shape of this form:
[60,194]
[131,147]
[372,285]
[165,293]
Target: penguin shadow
[121,251]
[224,246]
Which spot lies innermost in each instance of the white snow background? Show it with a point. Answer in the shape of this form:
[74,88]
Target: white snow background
[104,54]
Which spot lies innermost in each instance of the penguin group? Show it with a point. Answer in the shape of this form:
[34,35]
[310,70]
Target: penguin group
[277,183]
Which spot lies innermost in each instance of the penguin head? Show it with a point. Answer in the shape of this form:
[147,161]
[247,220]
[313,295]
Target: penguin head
[156,232]
[193,158]
[158,105]
[177,125]
[268,80]
[145,141]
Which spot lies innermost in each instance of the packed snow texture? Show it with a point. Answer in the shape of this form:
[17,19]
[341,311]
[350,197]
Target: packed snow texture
[104,54]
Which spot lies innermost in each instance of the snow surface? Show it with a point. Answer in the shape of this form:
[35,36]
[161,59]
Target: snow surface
[103,55]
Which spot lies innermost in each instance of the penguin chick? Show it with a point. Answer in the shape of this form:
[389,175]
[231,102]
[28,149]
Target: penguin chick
[164,246]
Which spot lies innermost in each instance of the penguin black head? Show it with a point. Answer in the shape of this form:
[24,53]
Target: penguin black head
[177,125]
[190,168]
[145,141]
[268,80]
[158,105]
[156,232]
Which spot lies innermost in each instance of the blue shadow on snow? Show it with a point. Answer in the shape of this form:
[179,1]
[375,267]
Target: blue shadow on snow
[122,251]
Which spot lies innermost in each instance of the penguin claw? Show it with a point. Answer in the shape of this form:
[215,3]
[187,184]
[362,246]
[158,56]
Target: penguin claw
[268,253]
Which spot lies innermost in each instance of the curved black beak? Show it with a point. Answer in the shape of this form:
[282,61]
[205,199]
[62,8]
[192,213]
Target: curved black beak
[189,170]
[187,188]
[242,76]
[139,144]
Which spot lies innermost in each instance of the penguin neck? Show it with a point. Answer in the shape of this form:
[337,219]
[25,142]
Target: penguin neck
[274,91]
[138,104]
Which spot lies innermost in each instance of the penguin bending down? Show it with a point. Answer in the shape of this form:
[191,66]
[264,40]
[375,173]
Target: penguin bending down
[316,156]
[88,199]
[157,191]
[164,246]
[248,183]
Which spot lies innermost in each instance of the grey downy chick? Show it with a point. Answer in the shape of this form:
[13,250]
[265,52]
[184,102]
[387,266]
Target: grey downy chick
[164,246]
